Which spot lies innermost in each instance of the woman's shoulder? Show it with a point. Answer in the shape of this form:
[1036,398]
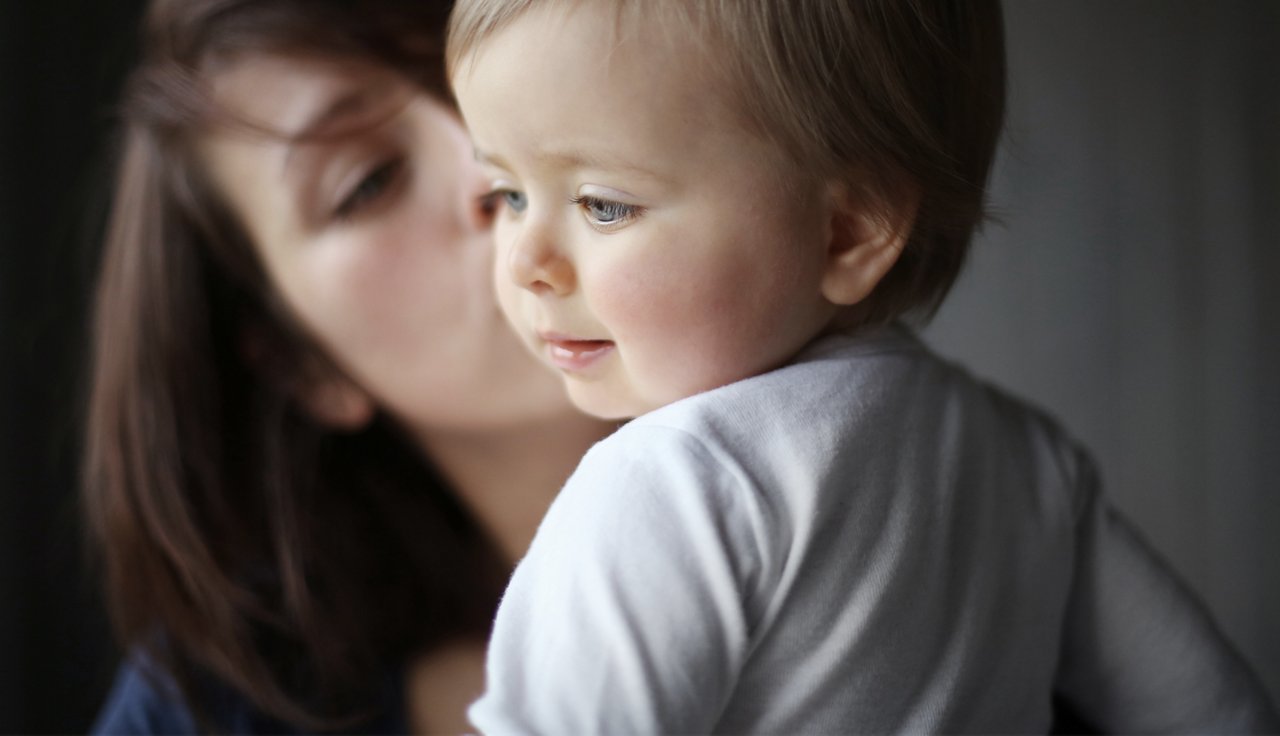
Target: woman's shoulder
[145,699]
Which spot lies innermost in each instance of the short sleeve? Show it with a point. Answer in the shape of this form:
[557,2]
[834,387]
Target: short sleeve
[631,612]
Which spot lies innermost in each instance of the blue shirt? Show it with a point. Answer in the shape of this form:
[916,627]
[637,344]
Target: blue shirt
[145,701]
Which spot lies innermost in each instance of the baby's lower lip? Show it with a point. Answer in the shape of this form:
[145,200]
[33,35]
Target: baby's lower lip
[577,355]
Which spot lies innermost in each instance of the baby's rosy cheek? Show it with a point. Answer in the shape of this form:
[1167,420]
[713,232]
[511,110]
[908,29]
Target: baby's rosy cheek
[635,305]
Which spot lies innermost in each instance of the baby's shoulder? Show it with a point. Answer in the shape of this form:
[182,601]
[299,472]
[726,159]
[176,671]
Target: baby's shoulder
[834,375]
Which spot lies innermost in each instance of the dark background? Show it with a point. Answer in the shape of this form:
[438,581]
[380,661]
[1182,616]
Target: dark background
[60,65]
[1130,289]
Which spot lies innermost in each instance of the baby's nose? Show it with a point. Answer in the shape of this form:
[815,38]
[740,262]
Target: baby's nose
[536,263]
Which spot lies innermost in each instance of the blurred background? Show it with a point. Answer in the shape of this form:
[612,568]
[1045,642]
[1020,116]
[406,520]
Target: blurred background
[61,62]
[1128,287]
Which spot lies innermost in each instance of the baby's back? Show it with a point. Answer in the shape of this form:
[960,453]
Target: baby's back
[867,540]
[919,528]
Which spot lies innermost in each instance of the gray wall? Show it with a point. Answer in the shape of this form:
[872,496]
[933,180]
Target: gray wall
[1130,287]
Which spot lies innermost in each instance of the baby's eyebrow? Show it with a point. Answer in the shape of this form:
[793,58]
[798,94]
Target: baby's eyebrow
[584,159]
[571,158]
[485,158]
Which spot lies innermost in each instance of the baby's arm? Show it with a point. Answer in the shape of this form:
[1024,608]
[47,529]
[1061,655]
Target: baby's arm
[1141,654]
[628,614]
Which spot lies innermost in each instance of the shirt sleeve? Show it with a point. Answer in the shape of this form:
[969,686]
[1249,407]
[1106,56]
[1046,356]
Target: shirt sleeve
[1141,654]
[629,614]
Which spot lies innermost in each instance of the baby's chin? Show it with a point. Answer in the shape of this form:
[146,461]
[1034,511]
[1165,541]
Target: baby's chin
[592,401]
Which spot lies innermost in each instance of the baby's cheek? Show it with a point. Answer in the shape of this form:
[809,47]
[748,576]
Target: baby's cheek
[644,304]
[674,331]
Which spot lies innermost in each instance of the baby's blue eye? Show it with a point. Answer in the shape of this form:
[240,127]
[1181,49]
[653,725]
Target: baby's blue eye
[606,213]
[517,201]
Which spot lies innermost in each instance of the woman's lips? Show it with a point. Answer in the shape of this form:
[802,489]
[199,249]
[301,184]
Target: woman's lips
[576,355]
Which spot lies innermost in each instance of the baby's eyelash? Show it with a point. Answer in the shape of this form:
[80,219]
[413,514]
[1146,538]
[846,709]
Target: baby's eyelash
[606,213]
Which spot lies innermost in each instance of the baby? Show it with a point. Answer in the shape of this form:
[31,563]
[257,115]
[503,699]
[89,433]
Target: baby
[714,216]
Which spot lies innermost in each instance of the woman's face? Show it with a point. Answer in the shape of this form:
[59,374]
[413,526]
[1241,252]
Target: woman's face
[373,229]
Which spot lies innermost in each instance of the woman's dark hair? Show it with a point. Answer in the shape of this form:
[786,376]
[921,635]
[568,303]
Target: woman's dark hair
[240,539]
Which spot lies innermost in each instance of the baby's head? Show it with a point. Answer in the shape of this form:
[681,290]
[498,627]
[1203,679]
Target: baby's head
[695,190]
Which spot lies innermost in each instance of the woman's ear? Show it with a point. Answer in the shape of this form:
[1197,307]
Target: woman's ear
[337,402]
[322,392]
[864,244]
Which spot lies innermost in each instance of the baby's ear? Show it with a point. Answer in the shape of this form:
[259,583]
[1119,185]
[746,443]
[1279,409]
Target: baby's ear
[864,244]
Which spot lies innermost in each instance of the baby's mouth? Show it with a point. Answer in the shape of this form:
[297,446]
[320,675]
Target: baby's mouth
[581,345]
[576,355]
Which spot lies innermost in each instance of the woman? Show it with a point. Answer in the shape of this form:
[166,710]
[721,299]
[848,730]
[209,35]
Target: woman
[314,449]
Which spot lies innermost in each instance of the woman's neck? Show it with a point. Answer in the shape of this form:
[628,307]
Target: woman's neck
[508,478]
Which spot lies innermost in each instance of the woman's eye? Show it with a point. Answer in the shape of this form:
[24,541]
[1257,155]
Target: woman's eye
[370,189]
[606,213]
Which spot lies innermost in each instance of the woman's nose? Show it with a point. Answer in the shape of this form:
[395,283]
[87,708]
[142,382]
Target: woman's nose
[536,263]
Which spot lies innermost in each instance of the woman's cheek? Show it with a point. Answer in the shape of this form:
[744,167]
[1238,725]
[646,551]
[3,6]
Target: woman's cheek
[352,280]
[366,281]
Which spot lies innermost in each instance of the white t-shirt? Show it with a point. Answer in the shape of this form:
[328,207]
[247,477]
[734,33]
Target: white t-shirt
[866,540]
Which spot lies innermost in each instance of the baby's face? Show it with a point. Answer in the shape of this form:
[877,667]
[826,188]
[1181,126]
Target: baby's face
[649,246]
